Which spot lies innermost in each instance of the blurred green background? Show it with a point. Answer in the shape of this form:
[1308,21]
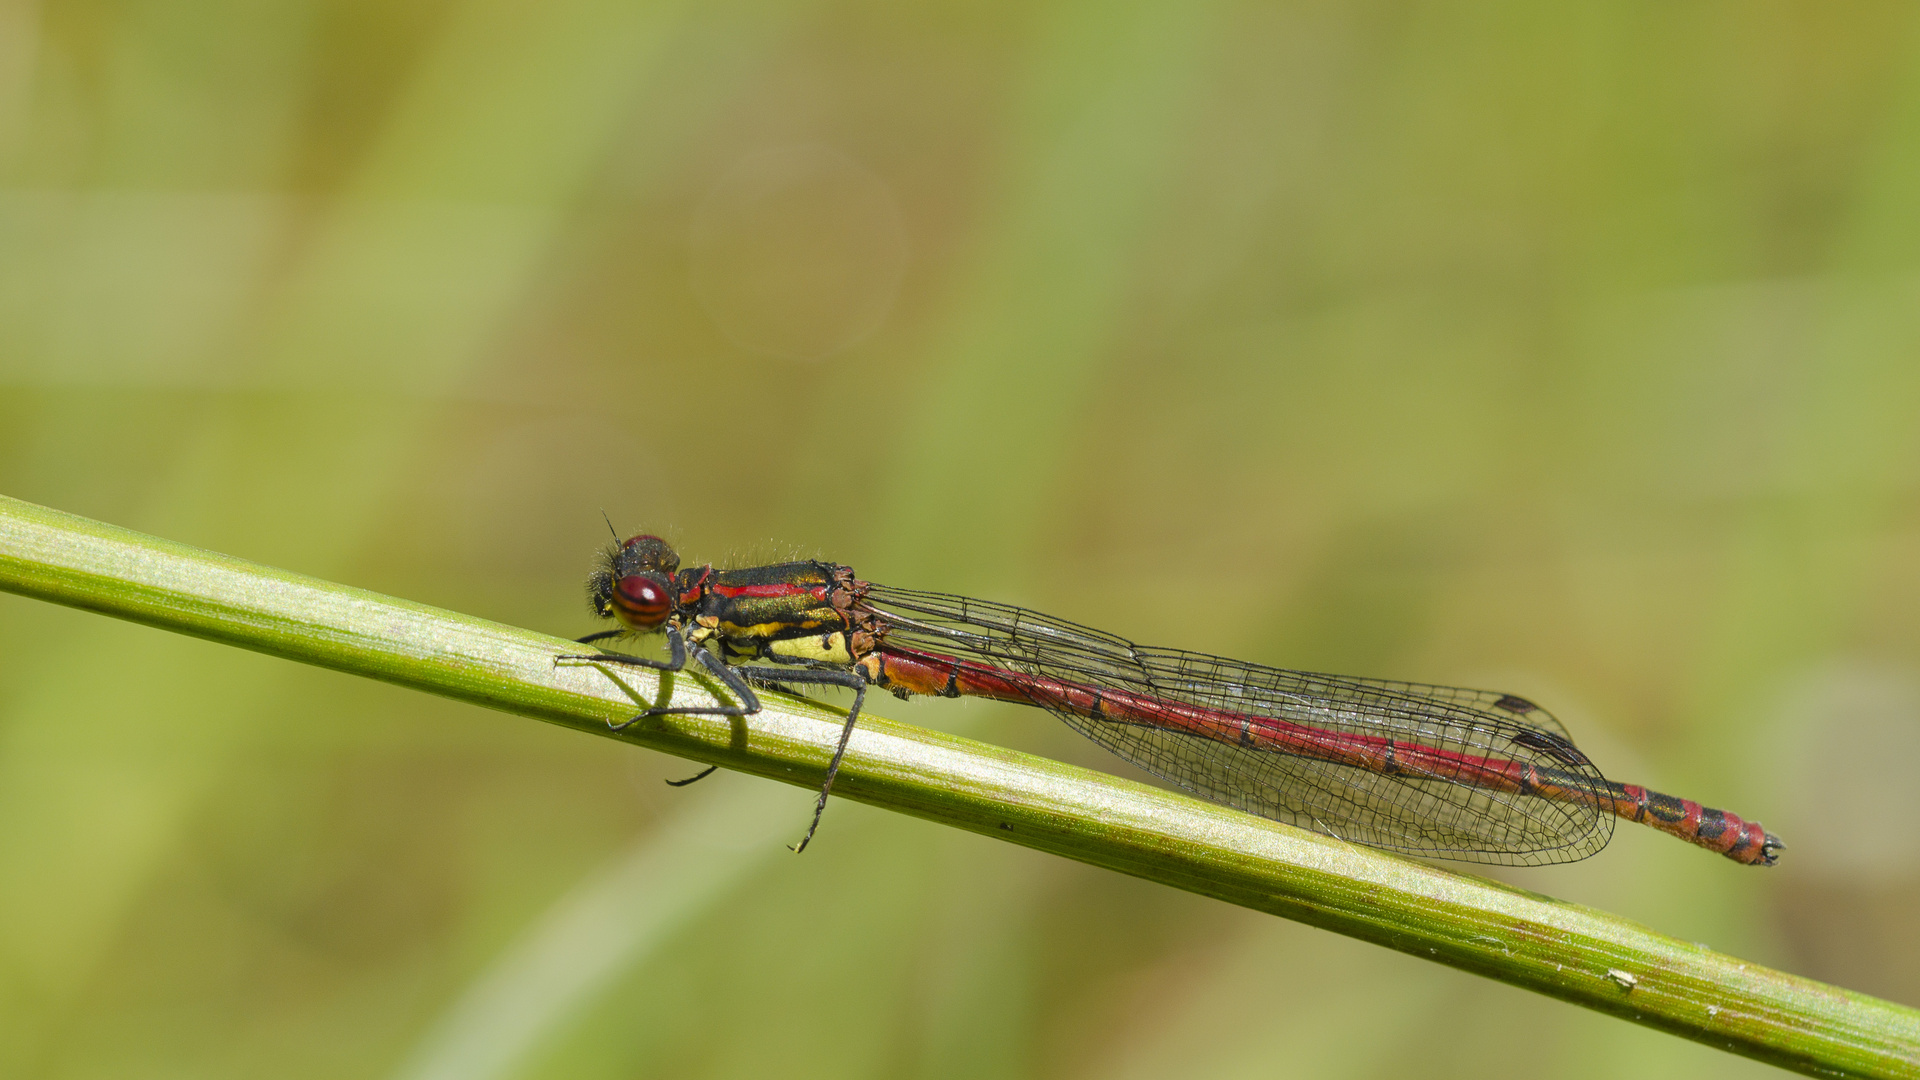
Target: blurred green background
[1569,349]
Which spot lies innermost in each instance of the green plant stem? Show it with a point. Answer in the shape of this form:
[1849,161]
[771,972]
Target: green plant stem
[1563,950]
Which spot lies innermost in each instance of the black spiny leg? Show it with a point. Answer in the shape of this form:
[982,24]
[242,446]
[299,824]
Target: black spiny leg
[677,660]
[701,775]
[736,681]
[855,680]
[676,651]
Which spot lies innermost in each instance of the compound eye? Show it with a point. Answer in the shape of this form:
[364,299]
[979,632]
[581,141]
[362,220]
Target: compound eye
[646,552]
[641,602]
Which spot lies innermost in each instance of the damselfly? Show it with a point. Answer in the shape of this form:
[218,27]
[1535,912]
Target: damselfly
[1429,770]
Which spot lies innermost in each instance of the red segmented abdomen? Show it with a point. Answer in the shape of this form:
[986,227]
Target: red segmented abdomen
[927,673]
[1716,830]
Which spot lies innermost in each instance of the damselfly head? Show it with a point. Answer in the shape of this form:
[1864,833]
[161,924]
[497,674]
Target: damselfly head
[635,585]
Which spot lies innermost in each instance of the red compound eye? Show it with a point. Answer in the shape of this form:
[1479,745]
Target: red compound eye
[641,602]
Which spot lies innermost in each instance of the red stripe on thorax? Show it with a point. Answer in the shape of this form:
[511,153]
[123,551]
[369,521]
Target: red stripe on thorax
[817,592]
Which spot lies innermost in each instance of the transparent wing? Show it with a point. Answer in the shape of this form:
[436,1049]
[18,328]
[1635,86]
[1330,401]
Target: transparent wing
[1424,813]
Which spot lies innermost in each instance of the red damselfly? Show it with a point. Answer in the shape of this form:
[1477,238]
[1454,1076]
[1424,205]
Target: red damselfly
[1472,775]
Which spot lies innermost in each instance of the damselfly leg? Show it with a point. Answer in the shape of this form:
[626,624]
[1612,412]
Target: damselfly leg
[739,680]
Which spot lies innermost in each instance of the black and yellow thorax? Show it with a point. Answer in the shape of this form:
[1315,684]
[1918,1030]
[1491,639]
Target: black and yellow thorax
[797,613]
